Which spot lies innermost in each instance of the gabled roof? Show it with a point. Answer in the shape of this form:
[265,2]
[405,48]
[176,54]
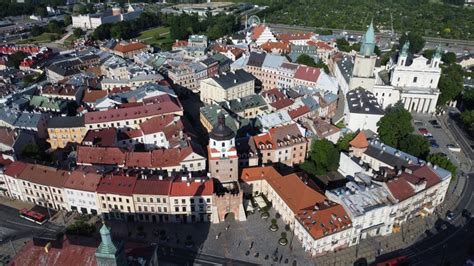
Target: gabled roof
[400,188]
[153,186]
[82,180]
[117,184]
[196,187]
[307,73]
[128,47]
[44,175]
[14,169]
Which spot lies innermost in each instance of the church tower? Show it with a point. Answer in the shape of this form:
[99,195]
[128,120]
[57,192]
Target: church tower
[109,253]
[437,57]
[402,59]
[223,161]
[364,64]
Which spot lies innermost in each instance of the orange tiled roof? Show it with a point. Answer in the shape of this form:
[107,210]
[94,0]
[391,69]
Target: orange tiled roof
[128,47]
[360,141]
[257,31]
[286,37]
[281,46]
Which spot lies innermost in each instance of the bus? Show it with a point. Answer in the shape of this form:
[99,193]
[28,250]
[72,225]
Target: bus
[33,216]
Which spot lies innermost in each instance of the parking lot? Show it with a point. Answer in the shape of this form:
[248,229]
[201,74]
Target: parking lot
[441,136]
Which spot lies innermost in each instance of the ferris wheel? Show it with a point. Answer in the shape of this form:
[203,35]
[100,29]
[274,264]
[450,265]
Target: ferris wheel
[253,21]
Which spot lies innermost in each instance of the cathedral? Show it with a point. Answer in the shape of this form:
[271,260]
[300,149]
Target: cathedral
[412,79]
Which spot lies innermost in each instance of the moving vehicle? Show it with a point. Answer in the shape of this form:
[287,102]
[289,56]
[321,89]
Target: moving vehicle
[435,123]
[450,215]
[33,216]
[466,213]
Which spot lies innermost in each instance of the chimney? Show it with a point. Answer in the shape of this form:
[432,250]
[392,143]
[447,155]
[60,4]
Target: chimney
[160,177]
[183,178]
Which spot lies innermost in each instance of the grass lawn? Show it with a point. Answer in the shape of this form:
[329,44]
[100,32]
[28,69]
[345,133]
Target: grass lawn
[156,36]
[42,38]
[70,40]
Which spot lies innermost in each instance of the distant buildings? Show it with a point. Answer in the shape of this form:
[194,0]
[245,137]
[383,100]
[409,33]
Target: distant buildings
[92,21]
[228,86]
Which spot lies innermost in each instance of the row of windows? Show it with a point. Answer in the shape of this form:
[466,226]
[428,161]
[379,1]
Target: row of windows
[183,201]
[158,200]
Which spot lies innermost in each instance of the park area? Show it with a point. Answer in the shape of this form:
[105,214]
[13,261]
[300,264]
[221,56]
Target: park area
[159,36]
[42,38]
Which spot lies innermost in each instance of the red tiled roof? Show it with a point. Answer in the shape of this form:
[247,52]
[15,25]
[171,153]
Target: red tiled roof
[300,111]
[83,180]
[359,141]
[105,137]
[286,37]
[162,104]
[44,175]
[100,155]
[307,73]
[14,169]
[5,162]
[426,173]
[7,136]
[282,103]
[320,45]
[117,184]
[160,158]
[156,124]
[400,188]
[280,46]
[90,96]
[192,188]
[257,31]
[278,134]
[179,43]
[74,251]
[128,47]
[152,186]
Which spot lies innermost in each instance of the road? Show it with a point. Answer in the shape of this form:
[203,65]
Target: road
[450,245]
[175,256]
[13,227]
[463,44]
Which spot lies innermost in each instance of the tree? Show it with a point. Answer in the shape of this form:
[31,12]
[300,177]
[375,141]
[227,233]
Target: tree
[77,32]
[33,151]
[416,42]
[428,53]
[67,20]
[449,58]
[343,45]
[467,117]
[343,142]
[305,59]
[442,161]
[41,12]
[415,145]
[36,30]
[450,83]
[395,125]
[323,158]
[15,59]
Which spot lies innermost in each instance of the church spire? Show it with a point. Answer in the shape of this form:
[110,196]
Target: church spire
[107,245]
[406,48]
[439,52]
[368,41]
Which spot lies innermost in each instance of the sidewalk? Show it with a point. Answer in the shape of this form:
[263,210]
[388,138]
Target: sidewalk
[16,204]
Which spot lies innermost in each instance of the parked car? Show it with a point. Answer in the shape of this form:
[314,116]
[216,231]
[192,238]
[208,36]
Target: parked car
[433,143]
[450,215]
[419,123]
[435,123]
[466,213]
[453,147]
[424,132]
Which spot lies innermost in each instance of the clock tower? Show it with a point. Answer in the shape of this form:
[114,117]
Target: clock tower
[223,161]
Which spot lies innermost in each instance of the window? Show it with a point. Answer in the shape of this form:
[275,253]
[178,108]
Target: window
[139,208]
[151,200]
[120,199]
[201,201]
[127,201]
[183,201]
[184,209]
[144,199]
[415,79]
[208,200]
[145,208]
[164,200]
[158,200]
[138,199]
[192,201]
[176,209]
[176,201]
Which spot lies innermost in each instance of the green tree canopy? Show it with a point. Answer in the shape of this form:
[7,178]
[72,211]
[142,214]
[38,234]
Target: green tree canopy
[442,161]
[41,11]
[416,145]
[15,59]
[449,58]
[33,151]
[467,117]
[428,53]
[450,83]
[67,20]
[416,42]
[306,60]
[323,158]
[343,142]
[77,32]
[395,125]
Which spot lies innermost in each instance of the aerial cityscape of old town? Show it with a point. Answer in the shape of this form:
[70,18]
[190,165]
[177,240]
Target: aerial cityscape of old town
[252,132]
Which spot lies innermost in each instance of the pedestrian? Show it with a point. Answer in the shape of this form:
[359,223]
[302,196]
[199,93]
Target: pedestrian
[217,237]
[240,241]
[227,227]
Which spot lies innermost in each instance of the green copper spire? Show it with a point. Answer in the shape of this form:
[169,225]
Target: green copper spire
[107,245]
[439,52]
[405,48]
[368,41]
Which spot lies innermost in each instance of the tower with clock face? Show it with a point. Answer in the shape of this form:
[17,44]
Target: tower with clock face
[223,160]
